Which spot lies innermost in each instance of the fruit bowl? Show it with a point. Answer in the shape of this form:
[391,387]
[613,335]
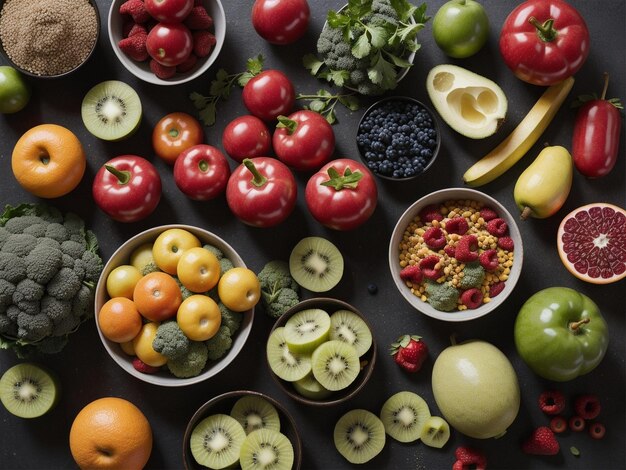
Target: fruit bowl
[223,404]
[121,257]
[367,360]
[142,69]
[506,273]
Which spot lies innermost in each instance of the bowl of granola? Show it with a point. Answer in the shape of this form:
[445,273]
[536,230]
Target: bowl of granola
[456,254]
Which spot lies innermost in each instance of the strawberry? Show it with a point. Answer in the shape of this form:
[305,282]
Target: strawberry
[143,367]
[409,352]
[136,9]
[198,18]
[135,47]
[541,442]
[412,274]
[468,458]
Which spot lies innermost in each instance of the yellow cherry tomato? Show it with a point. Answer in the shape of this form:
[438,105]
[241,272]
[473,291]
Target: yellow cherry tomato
[199,317]
[169,247]
[198,269]
[128,348]
[142,256]
[142,343]
[122,280]
[239,289]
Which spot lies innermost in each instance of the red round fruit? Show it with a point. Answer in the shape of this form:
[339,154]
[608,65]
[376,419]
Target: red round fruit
[597,430]
[201,172]
[268,95]
[169,44]
[590,242]
[169,11]
[280,21]
[246,137]
[576,423]
[558,424]
[587,406]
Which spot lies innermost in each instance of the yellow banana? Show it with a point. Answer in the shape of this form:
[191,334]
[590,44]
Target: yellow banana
[523,137]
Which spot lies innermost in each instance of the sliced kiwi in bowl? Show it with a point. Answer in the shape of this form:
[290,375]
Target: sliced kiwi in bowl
[216,441]
[254,412]
[335,365]
[316,264]
[307,329]
[28,390]
[350,328]
[309,387]
[266,449]
[284,363]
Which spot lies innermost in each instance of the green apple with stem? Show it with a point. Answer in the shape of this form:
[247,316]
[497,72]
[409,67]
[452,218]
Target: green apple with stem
[461,28]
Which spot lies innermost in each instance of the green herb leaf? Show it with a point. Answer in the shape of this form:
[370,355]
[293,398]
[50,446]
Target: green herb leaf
[254,65]
[330,117]
[349,101]
[324,102]
[382,73]
[317,106]
[357,9]
[207,115]
[361,47]
[378,36]
[399,61]
[313,63]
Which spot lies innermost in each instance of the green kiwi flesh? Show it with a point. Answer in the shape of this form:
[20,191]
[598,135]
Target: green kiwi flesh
[254,413]
[266,449]
[359,436]
[316,264]
[307,329]
[310,388]
[435,432]
[350,328]
[335,365]
[111,110]
[28,391]
[216,441]
[285,364]
[404,415]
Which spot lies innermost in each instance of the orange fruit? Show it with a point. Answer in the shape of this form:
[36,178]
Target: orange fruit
[198,269]
[170,245]
[199,317]
[111,433]
[119,320]
[157,296]
[48,161]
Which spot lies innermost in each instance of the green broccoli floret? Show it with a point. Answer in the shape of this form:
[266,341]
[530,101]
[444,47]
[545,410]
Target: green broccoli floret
[55,309]
[279,291]
[19,243]
[442,296]
[286,299]
[43,263]
[37,230]
[220,343]
[225,265]
[382,14]
[33,327]
[7,326]
[64,285]
[215,250]
[49,242]
[73,249]
[52,344]
[75,227]
[473,276]
[12,312]
[192,363]
[6,294]
[183,290]
[93,266]
[27,290]
[66,326]
[82,303]
[170,340]
[230,319]
[20,224]
[12,267]
[57,232]
[148,268]
[4,234]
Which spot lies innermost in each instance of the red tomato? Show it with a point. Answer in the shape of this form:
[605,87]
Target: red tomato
[342,195]
[280,21]
[304,140]
[268,95]
[246,137]
[261,192]
[544,41]
[169,44]
[169,11]
[201,172]
[174,133]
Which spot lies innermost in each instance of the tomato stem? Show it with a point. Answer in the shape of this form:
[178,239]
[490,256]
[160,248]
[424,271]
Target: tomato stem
[122,176]
[349,179]
[173,133]
[545,30]
[606,85]
[286,123]
[258,179]
[575,326]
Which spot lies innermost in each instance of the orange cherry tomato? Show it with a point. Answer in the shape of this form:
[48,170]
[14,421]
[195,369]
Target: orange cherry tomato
[174,133]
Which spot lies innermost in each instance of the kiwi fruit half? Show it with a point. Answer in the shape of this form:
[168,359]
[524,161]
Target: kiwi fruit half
[285,364]
[28,391]
[435,432]
[309,387]
[335,365]
[359,436]
[404,415]
[254,412]
[266,449]
[316,264]
[111,110]
[307,329]
[350,328]
[216,441]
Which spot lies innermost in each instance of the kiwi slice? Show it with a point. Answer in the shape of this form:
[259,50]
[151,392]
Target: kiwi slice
[316,264]
[28,391]
[254,412]
[111,110]
[309,387]
[216,441]
[435,432]
[350,328]
[404,415]
[359,436]
[285,364]
[335,365]
[266,449]
[307,329]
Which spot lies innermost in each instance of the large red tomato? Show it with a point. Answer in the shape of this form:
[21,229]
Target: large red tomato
[268,95]
[280,21]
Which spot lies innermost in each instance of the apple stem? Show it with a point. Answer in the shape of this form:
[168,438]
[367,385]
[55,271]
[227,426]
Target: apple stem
[258,179]
[122,176]
[453,339]
[545,30]
[526,213]
[203,165]
[606,85]
[574,326]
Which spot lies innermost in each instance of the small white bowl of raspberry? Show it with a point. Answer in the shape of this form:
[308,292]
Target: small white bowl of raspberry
[203,29]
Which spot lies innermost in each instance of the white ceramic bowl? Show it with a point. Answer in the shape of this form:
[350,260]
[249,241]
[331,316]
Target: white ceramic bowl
[438,197]
[164,378]
[142,69]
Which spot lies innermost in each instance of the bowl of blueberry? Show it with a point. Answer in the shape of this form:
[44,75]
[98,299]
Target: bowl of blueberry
[398,138]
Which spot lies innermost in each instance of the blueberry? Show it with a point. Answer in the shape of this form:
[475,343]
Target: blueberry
[372,288]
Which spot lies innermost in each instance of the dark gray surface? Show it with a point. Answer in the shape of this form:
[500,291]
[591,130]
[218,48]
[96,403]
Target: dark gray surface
[87,372]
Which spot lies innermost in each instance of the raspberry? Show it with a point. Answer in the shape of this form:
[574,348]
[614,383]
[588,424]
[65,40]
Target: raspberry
[457,225]
[135,47]
[597,430]
[472,298]
[412,274]
[466,249]
[558,424]
[136,9]
[497,227]
[496,288]
[141,366]
[161,71]
[576,423]
[552,402]
[186,66]
[434,238]
[506,243]
[203,43]
[587,406]
[427,265]
[137,29]
[449,250]
[487,213]
[489,260]
[469,458]
[541,442]
[198,18]
[430,213]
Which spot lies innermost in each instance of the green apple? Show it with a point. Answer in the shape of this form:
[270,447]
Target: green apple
[461,28]
[561,334]
[14,94]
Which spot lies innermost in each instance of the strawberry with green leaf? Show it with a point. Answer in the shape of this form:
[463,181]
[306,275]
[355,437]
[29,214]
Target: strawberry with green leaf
[409,352]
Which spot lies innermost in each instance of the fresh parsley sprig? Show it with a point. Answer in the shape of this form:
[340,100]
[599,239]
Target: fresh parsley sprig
[324,102]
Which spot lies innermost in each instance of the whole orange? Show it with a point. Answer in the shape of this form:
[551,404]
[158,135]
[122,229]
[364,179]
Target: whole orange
[48,161]
[157,296]
[111,433]
[119,320]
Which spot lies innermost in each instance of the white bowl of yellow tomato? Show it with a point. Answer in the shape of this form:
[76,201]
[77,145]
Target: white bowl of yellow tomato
[175,304]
